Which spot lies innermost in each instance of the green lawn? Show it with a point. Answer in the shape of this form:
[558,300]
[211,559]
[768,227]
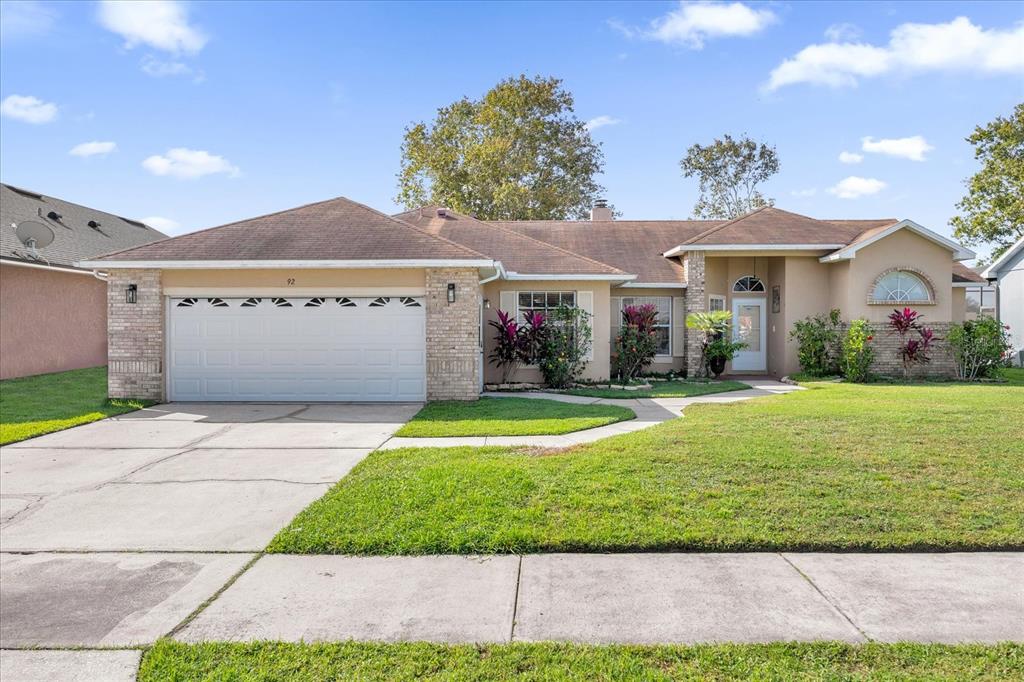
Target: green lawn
[169,661]
[32,406]
[835,467]
[1014,375]
[509,417]
[663,389]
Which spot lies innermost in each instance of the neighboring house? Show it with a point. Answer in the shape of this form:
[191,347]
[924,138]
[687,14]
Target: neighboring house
[337,301]
[1007,274]
[53,315]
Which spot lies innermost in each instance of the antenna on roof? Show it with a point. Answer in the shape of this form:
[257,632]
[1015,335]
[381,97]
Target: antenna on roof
[34,236]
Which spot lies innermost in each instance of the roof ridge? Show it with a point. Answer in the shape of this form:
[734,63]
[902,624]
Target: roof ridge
[613,222]
[420,230]
[733,221]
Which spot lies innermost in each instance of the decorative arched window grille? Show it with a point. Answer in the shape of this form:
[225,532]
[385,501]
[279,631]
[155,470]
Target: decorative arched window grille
[901,286]
[748,284]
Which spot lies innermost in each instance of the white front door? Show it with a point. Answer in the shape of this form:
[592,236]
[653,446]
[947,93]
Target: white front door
[748,317]
[297,348]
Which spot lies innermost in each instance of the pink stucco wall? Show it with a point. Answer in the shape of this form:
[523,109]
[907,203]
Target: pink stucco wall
[50,321]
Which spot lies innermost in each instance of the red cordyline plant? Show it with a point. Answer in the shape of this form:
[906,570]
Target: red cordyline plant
[516,343]
[913,351]
[637,342]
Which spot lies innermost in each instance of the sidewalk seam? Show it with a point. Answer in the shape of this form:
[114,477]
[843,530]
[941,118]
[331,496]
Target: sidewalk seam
[824,596]
[515,601]
[213,597]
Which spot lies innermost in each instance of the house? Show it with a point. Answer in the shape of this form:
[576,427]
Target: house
[53,315]
[1007,274]
[337,301]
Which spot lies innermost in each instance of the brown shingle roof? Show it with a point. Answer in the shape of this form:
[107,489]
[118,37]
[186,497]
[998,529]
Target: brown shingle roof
[518,252]
[770,225]
[633,246]
[336,229]
[962,273]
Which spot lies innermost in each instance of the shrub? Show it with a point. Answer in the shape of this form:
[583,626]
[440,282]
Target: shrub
[637,342]
[913,350]
[978,347]
[508,352]
[818,343]
[533,332]
[857,354]
[563,350]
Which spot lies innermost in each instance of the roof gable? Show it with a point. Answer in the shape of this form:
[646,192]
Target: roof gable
[773,226]
[1007,257]
[875,234]
[334,230]
[74,239]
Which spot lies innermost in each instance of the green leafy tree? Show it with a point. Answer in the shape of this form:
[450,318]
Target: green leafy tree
[729,172]
[993,209]
[519,153]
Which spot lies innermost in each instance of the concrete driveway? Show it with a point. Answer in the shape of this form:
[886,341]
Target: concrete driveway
[113,532]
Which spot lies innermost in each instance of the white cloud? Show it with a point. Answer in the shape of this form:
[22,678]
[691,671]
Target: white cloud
[695,22]
[165,225]
[913,48]
[855,187]
[844,32]
[25,19]
[28,109]
[850,157]
[157,68]
[913,148]
[161,24]
[601,122]
[87,149]
[189,164]
[803,193]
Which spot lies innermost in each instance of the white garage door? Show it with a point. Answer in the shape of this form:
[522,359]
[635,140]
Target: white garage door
[297,348]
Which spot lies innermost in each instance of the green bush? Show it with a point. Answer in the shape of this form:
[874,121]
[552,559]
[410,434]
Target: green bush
[979,347]
[857,353]
[564,347]
[636,343]
[818,343]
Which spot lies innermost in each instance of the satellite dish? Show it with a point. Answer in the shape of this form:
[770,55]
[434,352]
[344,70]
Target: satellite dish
[34,235]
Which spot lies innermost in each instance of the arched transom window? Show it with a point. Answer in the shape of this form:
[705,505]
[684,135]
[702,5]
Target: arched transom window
[901,286]
[748,283]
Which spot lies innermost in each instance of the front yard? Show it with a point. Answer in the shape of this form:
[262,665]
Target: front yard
[170,661]
[663,389]
[835,467]
[509,417]
[32,406]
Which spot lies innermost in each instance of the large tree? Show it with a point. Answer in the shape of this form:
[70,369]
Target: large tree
[993,209]
[729,172]
[518,153]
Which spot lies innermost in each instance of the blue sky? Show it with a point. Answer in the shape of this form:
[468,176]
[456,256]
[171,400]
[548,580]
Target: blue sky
[273,105]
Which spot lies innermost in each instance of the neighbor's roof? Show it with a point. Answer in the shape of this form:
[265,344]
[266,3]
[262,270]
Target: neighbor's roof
[962,273]
[73,239]
[997,265]
[518,253]
[333,230]
[633,246]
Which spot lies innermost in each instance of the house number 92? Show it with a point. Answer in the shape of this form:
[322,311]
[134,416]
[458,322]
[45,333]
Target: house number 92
[291,281]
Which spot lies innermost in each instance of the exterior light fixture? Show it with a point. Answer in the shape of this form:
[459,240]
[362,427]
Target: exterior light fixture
[487,304]
[131,294]
[451,292]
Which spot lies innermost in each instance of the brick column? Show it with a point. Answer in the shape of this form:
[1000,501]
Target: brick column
[135,336]
[696,301]
[453,334]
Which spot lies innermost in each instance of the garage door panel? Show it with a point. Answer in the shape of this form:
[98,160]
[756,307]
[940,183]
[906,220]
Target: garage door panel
[286,349]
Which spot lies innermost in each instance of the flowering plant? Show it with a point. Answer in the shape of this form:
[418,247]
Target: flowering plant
[913,351]
[636,343]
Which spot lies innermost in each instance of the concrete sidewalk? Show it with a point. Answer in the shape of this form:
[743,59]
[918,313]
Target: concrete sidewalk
[649,411]
[624,598]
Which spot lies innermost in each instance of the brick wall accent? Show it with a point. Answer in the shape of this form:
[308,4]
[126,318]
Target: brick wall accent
[696,301]
[135,331]
[453,334]
[889,363]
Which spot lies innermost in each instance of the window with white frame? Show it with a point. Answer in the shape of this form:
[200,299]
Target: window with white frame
[663,322]
[716,302]
[901,286]
[981,300]
[543,301]
[748,284]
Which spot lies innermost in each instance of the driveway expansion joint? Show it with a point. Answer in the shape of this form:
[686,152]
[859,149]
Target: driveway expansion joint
[515,601]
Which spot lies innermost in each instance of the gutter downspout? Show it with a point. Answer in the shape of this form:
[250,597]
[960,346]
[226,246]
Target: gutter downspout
[499,271]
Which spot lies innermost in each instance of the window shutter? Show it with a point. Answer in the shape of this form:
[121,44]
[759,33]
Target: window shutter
[585,301]
[616,322]
[678,326]
[509,303]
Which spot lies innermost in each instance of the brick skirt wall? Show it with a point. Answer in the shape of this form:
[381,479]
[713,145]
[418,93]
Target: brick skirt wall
[889,363]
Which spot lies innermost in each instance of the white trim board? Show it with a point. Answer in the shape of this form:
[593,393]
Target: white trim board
[42,266]
[850,252]
[282,264]
[683,248]
[652,285]
[515,276]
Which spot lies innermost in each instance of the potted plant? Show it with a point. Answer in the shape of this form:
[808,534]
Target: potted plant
[719,351]
[716,348]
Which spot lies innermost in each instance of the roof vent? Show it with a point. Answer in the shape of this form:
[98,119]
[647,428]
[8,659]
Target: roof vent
[24,192]
[93,224]
[53,215]
[442,212]
[136,223]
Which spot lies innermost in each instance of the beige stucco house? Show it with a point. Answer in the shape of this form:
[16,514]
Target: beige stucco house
[337,301]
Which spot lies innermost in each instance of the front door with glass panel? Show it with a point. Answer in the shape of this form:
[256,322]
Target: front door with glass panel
[748,317]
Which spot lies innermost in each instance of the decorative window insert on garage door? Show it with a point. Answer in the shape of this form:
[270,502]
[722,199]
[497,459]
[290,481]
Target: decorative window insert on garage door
[319,348]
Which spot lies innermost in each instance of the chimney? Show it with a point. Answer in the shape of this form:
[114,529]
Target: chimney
[601,211]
